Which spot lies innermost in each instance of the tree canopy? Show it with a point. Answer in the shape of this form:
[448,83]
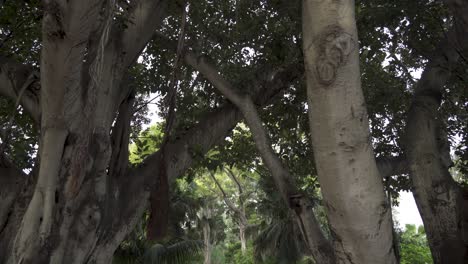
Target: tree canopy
[252,96]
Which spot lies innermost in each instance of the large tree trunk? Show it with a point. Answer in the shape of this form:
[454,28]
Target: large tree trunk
[87,199]
[440,200]
[354,198]
[65,215]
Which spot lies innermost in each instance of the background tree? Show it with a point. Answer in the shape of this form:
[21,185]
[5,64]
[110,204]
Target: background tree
[414,248]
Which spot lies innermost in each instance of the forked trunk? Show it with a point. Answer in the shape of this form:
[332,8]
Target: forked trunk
[74,209]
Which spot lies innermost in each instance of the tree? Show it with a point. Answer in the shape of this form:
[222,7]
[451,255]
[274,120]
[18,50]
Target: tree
[238,210]
[74,92]
[352,141]
[81,179]
[337,105]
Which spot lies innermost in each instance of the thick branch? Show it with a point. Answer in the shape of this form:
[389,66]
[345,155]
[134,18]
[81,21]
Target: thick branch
[247,107]
[213,128]
[218,124]
[134,188]
[202,137]
[392,166]
[145,17]
[318,244]
[11,181]
[13,78]
[120,138]
[439,199]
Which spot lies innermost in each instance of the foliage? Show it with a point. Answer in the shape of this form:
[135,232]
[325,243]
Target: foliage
[414,248]
[280,240]
[147,142]
[179,252]
[245,39]
[234,254]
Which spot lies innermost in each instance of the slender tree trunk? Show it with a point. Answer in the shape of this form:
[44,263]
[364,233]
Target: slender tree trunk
[353,194]
[207,242]
[239,211]
[243,239]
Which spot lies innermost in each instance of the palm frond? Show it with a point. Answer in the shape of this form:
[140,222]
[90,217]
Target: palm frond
[281,241]
[177,253]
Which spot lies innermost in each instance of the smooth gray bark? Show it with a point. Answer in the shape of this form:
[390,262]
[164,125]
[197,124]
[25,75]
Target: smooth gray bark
[82,63]
[352,187]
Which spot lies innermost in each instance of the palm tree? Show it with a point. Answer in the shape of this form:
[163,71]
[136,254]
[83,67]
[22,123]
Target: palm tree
[280,240]
[181,252]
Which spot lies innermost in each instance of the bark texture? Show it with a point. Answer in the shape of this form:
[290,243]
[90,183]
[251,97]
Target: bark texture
[441,202]
[207,243]
[62,215]
[352,188]
[87,199]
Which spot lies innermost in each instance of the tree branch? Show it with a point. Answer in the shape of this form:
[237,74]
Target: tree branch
[392,166]
[11,181]
[247,107]
[226,199]
[15,77]
[320,247]
[239,186]
[133,189]
[216,126]
[437,195]
[145,16]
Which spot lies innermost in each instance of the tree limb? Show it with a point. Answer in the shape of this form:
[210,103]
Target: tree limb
[133,189]
[317,243]
[11,181]
[226,199]
[239,186]
[145,16]
[15,77]
[389,166]
[440,201]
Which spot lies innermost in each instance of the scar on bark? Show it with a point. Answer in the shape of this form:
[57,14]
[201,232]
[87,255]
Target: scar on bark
[334,46]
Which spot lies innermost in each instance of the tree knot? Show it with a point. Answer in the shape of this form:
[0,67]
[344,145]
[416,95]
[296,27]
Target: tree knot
[334,47]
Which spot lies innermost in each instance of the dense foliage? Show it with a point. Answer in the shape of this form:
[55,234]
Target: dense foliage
[414,248]
[248,41]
